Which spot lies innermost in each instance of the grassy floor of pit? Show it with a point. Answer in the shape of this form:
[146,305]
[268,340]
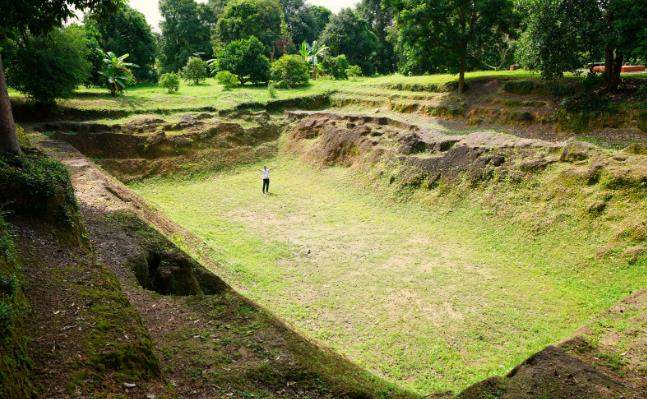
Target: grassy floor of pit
[432,299]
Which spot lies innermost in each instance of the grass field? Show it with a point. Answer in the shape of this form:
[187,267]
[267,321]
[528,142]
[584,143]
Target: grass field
[431,299]
[210,93]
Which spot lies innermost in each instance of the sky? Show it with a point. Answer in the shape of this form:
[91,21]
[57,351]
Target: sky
[151,10]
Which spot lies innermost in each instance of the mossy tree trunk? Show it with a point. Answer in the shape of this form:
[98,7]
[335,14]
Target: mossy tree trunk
[8,138]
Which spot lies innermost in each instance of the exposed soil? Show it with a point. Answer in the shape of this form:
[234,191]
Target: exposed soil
[434,156]
[148,146]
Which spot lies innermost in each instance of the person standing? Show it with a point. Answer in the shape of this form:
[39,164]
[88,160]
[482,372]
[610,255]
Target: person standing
[266,180]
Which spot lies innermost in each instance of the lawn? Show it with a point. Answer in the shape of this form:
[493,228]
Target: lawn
[210,93]
[431,299]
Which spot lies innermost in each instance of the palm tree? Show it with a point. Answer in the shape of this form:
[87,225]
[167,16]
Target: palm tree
[312,53]
[116,71]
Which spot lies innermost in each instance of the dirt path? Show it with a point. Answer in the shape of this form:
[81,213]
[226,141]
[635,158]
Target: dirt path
[208,345]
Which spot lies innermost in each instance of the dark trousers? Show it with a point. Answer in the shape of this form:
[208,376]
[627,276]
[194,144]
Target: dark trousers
[266,185]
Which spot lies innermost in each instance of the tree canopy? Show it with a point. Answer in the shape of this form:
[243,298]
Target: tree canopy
[125,32]
[36,16]
[186,31]
[244,18]
[454,28]
[347,33]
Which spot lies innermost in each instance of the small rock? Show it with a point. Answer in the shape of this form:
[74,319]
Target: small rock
[129,385]
[575,151]
[597,207]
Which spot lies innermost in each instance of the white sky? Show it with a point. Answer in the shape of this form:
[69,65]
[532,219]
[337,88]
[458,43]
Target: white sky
[151,10]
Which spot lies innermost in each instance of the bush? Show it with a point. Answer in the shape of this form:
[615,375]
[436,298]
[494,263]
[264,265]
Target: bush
[290,71]
[170,81]
[336,66]
[245,59]
[195,70]
[271,90]
[51,66]
[227,79]
[354,71]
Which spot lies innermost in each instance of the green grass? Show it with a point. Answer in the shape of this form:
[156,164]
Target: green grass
[211,94]
[431,299]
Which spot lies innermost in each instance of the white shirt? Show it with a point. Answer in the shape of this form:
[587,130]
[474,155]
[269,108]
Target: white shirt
[266,173]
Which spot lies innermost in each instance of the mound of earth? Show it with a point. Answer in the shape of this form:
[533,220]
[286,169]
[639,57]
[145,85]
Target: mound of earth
[146,146]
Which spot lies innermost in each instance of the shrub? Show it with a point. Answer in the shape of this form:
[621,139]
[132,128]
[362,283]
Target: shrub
[354,71]
[336,66]
[227,79]
[195,70]
[290,71]
[116,72]
[245,59]
[51,66]
[271,90]
[170,81]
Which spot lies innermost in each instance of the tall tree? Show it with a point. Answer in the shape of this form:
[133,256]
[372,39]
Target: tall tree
[380,18]
[305,22]
[125,32]
[625,35]
[347,33]
[244,18]
[455,27]
[186,30]
[560,35]
[37,16]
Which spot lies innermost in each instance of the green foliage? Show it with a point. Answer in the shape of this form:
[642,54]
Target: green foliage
[348,34]
[186,31]
[354,71]
[196,70]
[290,71]
[244,18]
[313,53]
[38,186]
[442,34]
[227,79]
[271,90]
[380,19]
[40,16]
[245,59]
[305,22]
[170,81]
[336,67]
[116,72]
[50,66]
[560,35]
[125,32]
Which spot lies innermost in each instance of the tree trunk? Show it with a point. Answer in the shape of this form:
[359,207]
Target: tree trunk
[461,74]
[613,60]
[8,138]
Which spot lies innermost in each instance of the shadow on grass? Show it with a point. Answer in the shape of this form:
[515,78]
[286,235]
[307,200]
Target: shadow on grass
[253,351]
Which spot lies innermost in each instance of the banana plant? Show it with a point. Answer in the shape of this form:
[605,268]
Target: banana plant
[312,53]
[116,71]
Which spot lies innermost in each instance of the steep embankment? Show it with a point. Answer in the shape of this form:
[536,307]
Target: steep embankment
[67,327]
